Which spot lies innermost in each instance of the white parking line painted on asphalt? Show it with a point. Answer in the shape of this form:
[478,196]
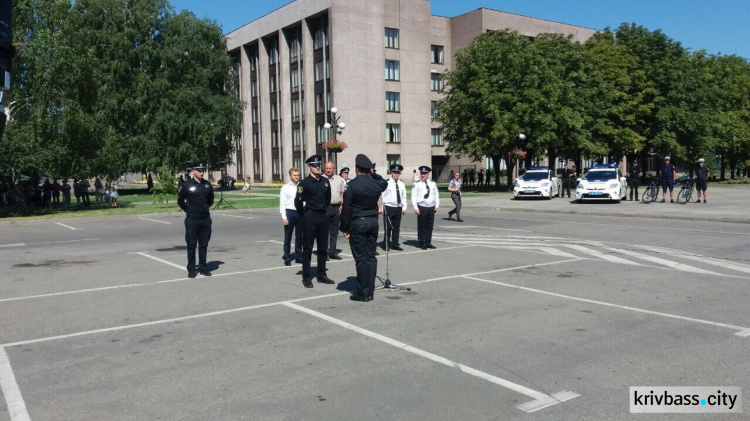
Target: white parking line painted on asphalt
[66,226]
[141,253]
[13,245]
[63,241]
[668,263]
[233,216]
[600,255]
[13,398]
[541,400]
[742,331]
[156,220]
[544,250]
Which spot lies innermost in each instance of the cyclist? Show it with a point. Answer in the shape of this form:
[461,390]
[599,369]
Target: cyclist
[668,174]
[701,178]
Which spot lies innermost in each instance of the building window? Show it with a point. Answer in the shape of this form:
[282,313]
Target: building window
[321,134]
[437,137]
[392,70]
[320,106]
[294,49]
[437,55]
[274,112]
[437,82]
[391,38]
[254,88]
[256,141]
[256,167]
[434,110]
[393,102]
[393,133]
[274,139]
[275,167]
[318,71]
[297,162]
[255,115]
[320,36]
[393,160]
[273,53]
[272,83]
[253,65]
[295,110]
[296,140]
[294,79]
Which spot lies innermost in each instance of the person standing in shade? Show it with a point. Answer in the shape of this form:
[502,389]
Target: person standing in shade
[312,202]
[338,185]
[359,223]
[701,179]
[455,188]
[195,198]
[291,219]
[569,179]
[344,173]
[425,200]
[634,178]
[668,174]
[394,206]
[480,178]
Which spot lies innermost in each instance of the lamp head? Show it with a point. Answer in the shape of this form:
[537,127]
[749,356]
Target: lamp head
[327,126]
[342,126]
[334,110]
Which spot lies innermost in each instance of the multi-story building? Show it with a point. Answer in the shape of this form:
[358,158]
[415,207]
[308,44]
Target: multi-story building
[380,63]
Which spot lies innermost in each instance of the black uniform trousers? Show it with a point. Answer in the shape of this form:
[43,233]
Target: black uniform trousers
[633,186]
[392,223]
[456,197]
[363,241]
[314,229]
[425,222]
[334,218]
[566,186]
[295,225]
[197,232]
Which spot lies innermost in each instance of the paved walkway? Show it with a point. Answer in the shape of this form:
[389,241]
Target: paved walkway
[727,204]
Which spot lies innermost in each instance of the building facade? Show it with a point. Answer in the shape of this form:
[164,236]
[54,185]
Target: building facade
[380,63]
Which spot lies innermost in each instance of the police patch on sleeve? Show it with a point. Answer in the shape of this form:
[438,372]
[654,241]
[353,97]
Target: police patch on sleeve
[299,190]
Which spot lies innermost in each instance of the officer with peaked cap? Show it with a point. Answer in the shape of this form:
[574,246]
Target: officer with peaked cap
[195,197]
[344,173]
[312,201]
[425,200]
[359,223]
[394,206]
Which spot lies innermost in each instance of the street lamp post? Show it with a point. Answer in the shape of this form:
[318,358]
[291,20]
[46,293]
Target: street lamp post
[521,137]
[338,127]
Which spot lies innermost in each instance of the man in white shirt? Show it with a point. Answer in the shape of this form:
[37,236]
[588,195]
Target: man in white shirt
[291,219]
[425,200]
[393,205]
[338,185]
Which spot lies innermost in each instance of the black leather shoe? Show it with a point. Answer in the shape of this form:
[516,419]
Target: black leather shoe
[358,297]
[324,279]
[450,215]
[335,256]
[204,272]
[298,261]
[370,297]
[287,262]
[430,246]
[397,248]
[191,274]
[423,247]
[307,283]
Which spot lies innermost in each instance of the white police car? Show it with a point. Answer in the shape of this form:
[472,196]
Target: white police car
[602,182]
[537,182]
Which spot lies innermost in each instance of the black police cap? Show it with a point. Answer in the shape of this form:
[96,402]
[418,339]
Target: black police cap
[199,165]
[362,161]
[344,170]
[397,168]
[315,160]
[425,169]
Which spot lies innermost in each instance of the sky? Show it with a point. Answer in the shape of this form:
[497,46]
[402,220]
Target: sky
[717,26]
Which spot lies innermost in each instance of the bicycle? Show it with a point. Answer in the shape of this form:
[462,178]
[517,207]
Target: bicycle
[652,191]
[686,192]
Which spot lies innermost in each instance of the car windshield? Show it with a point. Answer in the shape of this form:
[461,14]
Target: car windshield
[600,175]
[535,176]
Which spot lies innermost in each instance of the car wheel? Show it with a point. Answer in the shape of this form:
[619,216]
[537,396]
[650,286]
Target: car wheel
[579,200]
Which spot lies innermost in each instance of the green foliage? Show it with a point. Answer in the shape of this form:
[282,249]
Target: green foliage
[165,187]
[102,87]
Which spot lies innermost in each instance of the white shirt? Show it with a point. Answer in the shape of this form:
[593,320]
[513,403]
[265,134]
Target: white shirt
[418,192]
[390,198]
[286,198]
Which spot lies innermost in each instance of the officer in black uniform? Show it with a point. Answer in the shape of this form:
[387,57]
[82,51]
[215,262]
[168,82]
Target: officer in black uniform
[359,223]
[195,198]
[312,201]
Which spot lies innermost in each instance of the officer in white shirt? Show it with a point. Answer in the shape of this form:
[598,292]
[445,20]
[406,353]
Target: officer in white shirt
[291,219]
[425,200]
[393,206]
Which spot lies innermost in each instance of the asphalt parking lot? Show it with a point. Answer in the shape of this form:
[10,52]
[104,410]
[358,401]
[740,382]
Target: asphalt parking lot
[524,311]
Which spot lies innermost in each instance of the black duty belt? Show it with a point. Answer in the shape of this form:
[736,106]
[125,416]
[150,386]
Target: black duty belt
[335,205]
[199,215]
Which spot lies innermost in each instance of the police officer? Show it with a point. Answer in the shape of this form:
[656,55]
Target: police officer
[569,176]
[394,206]
[425,200]
[344,173]
[312,201]
[668,174]
[195,197]
[634,178]
[359,223]
[701,179]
